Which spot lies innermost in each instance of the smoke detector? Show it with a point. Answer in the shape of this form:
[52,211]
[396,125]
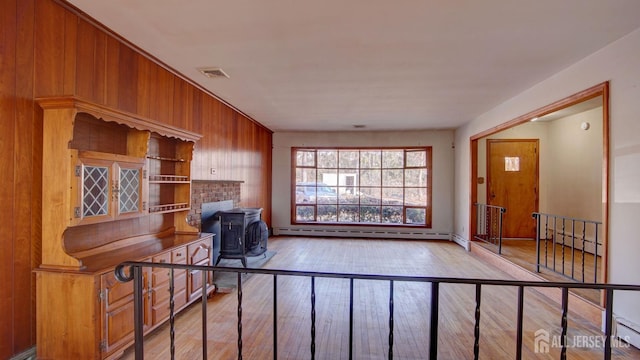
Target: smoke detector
[213,72]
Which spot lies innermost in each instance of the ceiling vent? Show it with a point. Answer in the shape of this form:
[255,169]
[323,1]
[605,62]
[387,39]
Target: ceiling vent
[213,72]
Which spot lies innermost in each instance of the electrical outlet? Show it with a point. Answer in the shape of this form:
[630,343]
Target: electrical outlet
[214,171]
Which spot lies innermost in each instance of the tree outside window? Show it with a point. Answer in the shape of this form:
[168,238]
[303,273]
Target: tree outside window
[362,186]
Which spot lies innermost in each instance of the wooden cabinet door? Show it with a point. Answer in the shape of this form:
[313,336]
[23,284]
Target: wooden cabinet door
[131,199]
[118,312]
[159,289]
[160,299]
[92,191]
[179,256]
[198,253]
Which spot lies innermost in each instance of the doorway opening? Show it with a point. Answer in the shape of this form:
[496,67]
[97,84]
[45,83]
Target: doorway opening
[567,176]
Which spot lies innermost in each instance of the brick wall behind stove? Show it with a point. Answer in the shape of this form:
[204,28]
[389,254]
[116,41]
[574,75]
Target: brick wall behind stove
[210,191]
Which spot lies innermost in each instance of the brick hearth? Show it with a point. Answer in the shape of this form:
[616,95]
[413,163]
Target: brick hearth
[204,191]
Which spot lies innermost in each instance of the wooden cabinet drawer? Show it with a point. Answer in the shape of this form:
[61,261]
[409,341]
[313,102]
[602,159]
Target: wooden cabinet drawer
[163,258]
[180,280]
[159,276]
[180,298]
[160,293]
[116,291]
[160,297]
[199,251]
[179,256]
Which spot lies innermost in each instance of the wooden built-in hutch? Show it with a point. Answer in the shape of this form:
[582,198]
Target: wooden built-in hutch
[116,187]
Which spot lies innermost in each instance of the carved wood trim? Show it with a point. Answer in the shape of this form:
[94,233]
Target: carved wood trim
[118,116]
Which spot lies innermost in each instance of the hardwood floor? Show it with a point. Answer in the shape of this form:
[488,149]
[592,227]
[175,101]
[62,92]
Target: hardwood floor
[371,317]
[523,254]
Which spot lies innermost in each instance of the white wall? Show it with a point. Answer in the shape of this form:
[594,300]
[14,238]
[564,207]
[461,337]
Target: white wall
[441,142]
[578,160]
[619,64]
[568,156]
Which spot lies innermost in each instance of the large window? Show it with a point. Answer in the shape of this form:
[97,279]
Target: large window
[362,186]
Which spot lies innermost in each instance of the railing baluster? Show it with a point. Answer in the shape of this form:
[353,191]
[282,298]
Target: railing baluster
[608,325]
[433,328]
[495,229]
[313,317]
[172,330]
[595,255]
[564,243]
[573,247]
[555,237]
[584,245]
[350,318]
[519,322]
[487,226]
[138,312]
[275,316]
[390,319]
[204,313]
[501,212]
[546,242]
[537,217]
[564,322]
[239,316]
[476,328]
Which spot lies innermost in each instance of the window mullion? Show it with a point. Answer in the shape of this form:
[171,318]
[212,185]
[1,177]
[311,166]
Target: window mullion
[361,185]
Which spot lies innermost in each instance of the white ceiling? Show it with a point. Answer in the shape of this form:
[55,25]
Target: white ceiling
[329,65]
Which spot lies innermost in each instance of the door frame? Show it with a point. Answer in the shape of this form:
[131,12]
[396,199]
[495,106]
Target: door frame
[601,89]
[536,173]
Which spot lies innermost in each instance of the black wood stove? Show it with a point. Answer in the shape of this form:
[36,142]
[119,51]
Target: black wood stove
[242,234]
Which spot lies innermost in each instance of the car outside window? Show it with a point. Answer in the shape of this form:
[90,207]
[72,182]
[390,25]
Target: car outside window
[362,186]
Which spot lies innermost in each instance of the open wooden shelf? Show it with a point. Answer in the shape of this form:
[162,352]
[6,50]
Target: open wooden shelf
[156,209]
[161,158]
[170,179]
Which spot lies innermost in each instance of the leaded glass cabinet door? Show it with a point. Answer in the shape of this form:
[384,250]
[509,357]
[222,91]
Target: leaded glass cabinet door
[94,191]
[108,190]
[130,189]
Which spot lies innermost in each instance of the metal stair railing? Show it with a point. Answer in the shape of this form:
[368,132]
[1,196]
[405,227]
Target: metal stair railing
[489,224]
[561,241]
[133,271]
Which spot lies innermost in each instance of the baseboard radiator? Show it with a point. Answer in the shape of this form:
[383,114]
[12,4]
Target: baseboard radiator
[362,233]
[626,329]
[461,241]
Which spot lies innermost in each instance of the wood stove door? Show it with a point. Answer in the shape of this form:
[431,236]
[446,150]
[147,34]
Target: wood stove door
[232,234]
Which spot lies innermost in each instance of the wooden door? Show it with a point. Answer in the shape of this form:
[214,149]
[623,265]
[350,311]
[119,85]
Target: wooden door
[512,182]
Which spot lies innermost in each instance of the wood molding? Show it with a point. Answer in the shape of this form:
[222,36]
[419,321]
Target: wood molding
[114,115]
[594,91]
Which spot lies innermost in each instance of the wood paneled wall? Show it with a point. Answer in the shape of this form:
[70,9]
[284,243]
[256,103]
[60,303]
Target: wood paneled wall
[48,49]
